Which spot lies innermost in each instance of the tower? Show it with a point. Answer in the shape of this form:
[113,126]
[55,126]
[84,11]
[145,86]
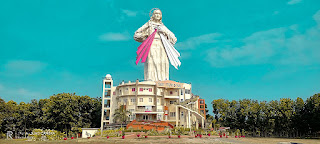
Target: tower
[106,114]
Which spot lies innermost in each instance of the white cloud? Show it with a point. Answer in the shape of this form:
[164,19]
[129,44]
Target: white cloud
[28,93]
[291,2]
[126,14]
[23,67]
[275,12]
[130,13]
[185,55]
[193,42]
[18,94]
[1,87]
[115,36]
[316,17]
[284,46]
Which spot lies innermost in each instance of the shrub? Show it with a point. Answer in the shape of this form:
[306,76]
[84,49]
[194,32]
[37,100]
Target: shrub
[43,135]
[2,135]
[153,132]
[237,133]
[181,131]
[166,131]
[243,133]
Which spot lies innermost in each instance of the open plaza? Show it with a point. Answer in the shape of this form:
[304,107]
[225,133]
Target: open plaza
[133,139]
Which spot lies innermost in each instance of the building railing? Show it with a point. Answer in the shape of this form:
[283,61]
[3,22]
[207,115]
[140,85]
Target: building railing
[187,101]
[123,103]
[191,107]
[146,110]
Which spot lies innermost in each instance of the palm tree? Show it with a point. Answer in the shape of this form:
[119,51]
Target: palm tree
[121,115]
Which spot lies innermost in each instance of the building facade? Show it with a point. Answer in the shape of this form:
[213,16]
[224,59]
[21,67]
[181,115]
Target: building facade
[167,101]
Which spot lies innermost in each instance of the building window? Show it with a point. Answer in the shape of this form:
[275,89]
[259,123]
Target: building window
[133,89]
[172,114]
[150,89]
[158,100]
[181,92]
[131,115]
[201,101]
[187,91]
[141,89]
[201,106]
[171,92]
[171,102]
[181,100]
[159,116]
[124,100]
[140,99]
[202,111]
[120,91]
[127,88]
[107,85]
[150,99]
[133,100]
[181,114]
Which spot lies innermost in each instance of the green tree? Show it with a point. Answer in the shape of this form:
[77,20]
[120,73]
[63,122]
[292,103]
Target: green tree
[23,118]
[69,112]
[207,111]
[10,117]
[121,115]
[312,114]
[2,111]
[299,123]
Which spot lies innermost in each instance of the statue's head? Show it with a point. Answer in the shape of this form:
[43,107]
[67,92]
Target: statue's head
[156,15]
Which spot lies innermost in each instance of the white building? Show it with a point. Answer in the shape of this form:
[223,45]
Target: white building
[167,101]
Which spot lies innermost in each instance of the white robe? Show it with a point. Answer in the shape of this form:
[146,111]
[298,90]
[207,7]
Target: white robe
[156,67]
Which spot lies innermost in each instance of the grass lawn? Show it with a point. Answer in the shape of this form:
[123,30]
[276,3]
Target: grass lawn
[164,139]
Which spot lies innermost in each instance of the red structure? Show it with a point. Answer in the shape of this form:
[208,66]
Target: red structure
[202,107]
[148,125]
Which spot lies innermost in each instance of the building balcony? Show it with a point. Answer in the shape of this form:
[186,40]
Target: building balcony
[151,111]
[146,110]
[172,96]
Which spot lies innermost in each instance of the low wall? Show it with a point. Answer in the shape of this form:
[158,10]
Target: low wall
[148,125]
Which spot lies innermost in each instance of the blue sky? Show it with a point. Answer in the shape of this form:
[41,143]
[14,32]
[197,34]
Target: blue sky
[264,50]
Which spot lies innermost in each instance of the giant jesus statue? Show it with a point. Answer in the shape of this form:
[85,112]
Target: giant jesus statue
[157,48]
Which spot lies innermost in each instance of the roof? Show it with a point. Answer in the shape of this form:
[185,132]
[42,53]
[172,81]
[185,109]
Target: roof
[169,84]
[90,128]
[224,128]
[168,81]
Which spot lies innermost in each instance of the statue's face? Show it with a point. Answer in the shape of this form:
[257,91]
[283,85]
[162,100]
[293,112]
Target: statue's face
[157,15]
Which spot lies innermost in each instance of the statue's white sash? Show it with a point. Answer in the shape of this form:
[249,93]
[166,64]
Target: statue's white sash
[172,53]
